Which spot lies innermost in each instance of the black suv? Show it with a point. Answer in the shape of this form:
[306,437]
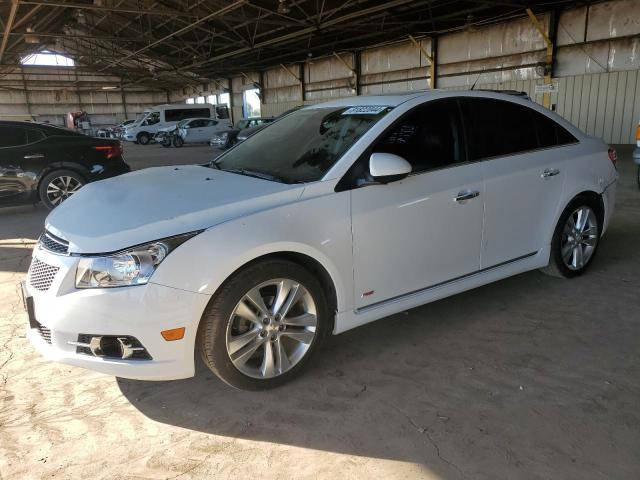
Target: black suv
[48,163]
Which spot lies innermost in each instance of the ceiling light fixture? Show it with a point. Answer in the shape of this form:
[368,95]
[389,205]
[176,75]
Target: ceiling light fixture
[283,8]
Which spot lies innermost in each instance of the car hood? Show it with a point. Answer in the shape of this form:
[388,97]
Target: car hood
[155,203]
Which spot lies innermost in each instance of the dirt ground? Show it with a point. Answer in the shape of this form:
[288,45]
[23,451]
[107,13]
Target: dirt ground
[531,377]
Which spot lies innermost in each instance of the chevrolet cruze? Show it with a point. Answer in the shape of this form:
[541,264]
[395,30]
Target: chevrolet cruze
[333,216]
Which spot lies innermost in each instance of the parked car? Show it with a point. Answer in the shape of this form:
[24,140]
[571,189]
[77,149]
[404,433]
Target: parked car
[162,116]
[337,215]
[198,130]
[636,153]
[229,137]
[247,132]
[40,162]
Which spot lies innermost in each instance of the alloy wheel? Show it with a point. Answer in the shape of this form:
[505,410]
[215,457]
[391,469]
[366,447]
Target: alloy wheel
[61,188]
[271,328]
[579,238]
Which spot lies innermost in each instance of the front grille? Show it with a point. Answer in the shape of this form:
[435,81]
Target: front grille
[45,333]
[54,244]
[41,275]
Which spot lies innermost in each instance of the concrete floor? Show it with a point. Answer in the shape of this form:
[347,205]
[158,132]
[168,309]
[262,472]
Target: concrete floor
[531,377]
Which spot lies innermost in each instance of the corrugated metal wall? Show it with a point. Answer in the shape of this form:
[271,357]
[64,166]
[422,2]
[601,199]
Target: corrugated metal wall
[596,68]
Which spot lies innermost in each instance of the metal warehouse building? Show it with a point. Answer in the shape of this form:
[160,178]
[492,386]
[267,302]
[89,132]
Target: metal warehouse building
[585,55]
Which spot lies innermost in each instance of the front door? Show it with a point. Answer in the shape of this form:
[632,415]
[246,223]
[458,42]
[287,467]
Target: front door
[426,229]
[15,156]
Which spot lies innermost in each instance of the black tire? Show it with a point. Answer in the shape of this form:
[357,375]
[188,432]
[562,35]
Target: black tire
[557,266]
[143,138]
[166,142]
[178,141]
[638,177]
[48,197]
[212,333]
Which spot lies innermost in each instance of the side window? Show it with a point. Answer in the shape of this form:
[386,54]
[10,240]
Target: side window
[211,123]
[173,115]
[497,127]
[222,112]
[34,135]
[195,123]
[12,136]
[152,118]
[429,137]
[550,133]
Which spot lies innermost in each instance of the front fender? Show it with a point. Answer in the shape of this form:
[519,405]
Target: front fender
[318,227]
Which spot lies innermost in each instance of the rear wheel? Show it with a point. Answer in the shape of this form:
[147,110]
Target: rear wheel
[59,185]
[264,325]
[143,138]
[575,239]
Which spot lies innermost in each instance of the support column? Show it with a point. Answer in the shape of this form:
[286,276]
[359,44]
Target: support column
[124,102]
[26,91]
[357,64]
[549,58]
[433,71]
[301,76]
[430,59]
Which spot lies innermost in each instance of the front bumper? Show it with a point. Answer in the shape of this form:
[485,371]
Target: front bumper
[139,311]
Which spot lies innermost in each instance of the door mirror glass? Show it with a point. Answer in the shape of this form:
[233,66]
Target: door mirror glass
[387,167]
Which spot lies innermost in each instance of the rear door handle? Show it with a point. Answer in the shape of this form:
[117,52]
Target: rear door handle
[550,172]
[33,155]
[464,196]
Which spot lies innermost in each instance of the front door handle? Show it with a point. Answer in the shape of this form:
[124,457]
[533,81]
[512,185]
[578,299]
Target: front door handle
[33,155]
[464,196]
[550,172]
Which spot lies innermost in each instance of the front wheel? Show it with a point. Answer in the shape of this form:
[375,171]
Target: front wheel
[143,138]
[59,185]
[178,141]
[575,240]
[264,325]
[166,142]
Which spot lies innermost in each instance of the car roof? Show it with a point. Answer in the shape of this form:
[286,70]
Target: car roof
[393,100]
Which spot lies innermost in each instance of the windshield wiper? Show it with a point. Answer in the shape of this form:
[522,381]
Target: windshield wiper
[251,173]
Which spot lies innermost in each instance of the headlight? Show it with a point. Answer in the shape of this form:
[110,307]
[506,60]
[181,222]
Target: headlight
[133,266]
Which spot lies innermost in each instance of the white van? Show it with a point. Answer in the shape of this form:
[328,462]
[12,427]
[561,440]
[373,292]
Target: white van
[162,116]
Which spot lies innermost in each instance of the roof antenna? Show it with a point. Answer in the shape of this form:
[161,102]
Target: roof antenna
[477,78]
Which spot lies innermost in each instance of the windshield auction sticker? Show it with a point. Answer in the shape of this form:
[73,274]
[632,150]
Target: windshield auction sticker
[364,110]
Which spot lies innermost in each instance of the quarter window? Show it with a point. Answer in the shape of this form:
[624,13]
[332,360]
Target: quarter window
[550,133]
[428,137]
[12,136]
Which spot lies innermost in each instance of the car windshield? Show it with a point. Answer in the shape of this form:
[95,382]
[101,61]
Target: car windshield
[182,123]
[302,146]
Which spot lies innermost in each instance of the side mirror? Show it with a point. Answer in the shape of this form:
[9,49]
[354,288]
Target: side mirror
[387,167]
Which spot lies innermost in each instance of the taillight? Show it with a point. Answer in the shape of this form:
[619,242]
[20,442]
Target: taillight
[613,156]
[110,151]
[638,133]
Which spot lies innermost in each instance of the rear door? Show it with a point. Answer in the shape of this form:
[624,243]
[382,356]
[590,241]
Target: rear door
[523,176]
[209,127]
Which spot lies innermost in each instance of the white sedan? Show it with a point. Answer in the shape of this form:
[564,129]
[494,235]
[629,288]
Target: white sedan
[199,130]
[336,215]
